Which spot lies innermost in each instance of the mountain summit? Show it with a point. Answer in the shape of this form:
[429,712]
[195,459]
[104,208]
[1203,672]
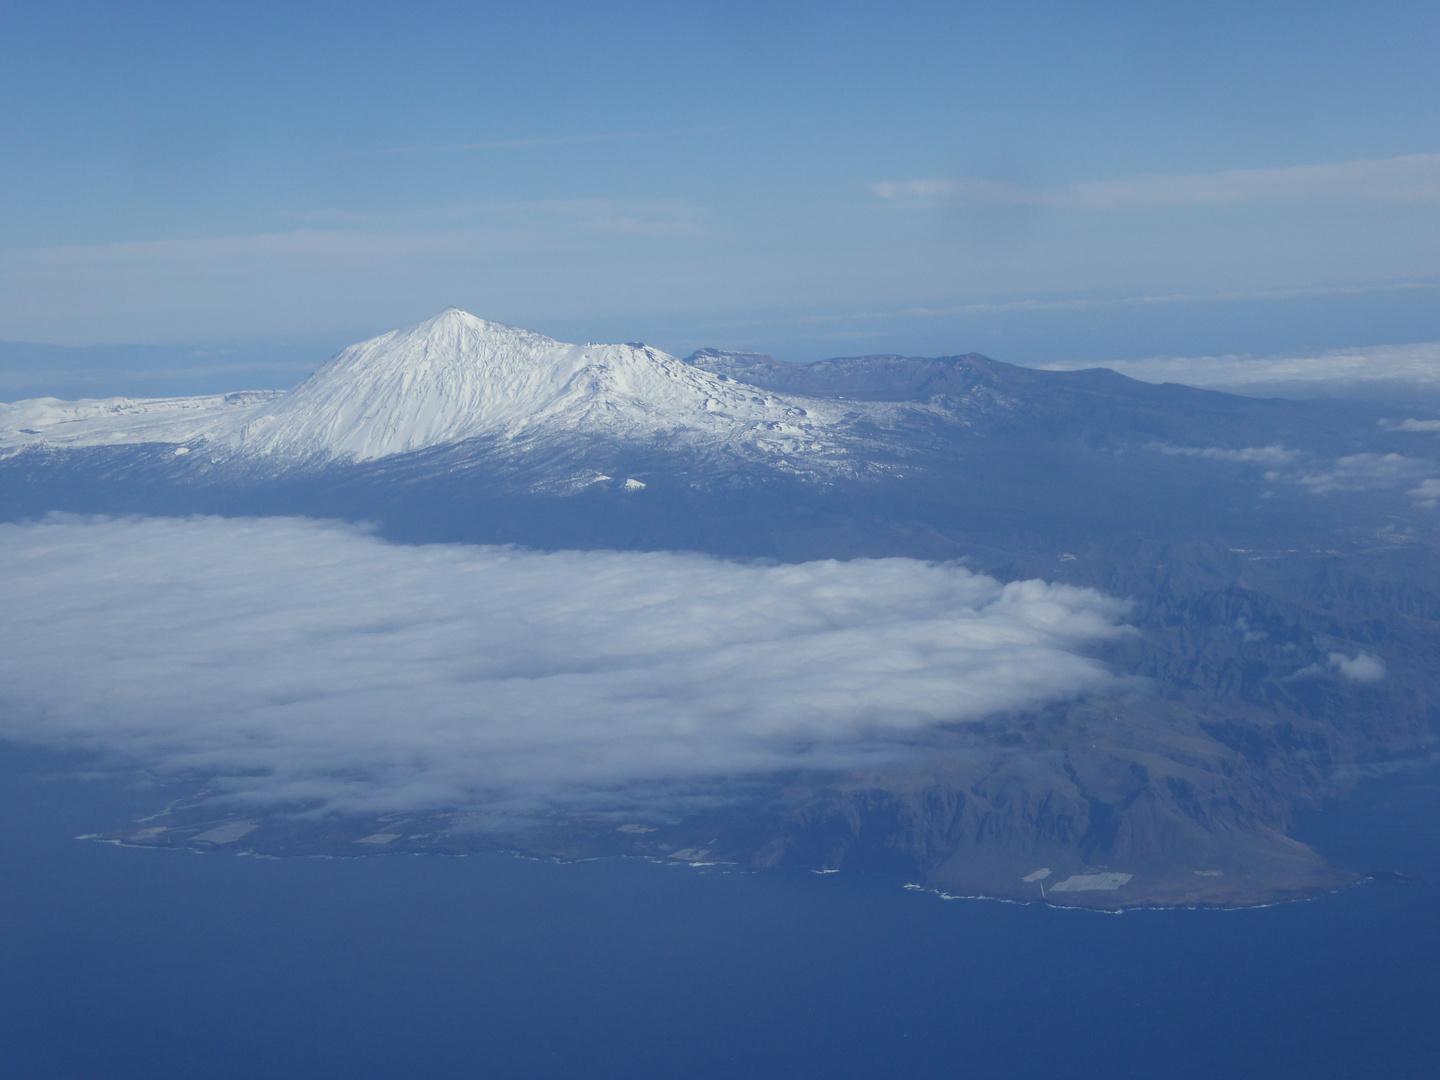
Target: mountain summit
[457,377]
[452,378]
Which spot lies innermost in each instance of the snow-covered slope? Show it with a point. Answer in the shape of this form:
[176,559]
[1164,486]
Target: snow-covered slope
[452,378]
[457,377]
[117,421]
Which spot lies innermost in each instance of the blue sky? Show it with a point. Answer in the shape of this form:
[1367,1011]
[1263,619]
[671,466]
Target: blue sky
[1038,181]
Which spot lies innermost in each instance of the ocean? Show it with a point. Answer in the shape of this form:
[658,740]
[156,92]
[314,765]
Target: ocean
[123,963]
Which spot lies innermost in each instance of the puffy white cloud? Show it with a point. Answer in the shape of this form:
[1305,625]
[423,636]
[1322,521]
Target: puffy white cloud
[1363,667]
[1361,472]
[303,661]
[1427,492]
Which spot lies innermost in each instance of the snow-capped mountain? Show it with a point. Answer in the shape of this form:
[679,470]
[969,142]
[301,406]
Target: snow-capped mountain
[526,413]
[458,377]
[452,378]
[1257,586]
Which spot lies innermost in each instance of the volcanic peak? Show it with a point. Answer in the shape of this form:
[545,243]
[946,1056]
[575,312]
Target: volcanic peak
[456,377]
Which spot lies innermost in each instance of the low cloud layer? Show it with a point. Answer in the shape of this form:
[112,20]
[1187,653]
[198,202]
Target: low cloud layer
[1365,472]
[1320,476]
[307,662]
[1271,456]
[1410,425]
[1378,366]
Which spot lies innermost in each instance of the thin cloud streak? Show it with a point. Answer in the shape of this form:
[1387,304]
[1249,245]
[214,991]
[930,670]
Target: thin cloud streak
[519,144]
[296,661]
[524,226]
[1039,304]
[1412,178]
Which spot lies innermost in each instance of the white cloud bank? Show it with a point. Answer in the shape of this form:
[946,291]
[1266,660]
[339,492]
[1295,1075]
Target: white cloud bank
[303,661]
[1412,178]
[1415,365]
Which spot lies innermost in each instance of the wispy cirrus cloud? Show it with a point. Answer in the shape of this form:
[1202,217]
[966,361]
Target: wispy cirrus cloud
[491,228]
[521,144]
[258,275]
[297,661]
[1412,178]
[1269,456]
[655,217]
[1092,303]
[522,226]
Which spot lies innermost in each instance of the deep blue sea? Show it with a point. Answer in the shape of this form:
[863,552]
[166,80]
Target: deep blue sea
[120,963]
